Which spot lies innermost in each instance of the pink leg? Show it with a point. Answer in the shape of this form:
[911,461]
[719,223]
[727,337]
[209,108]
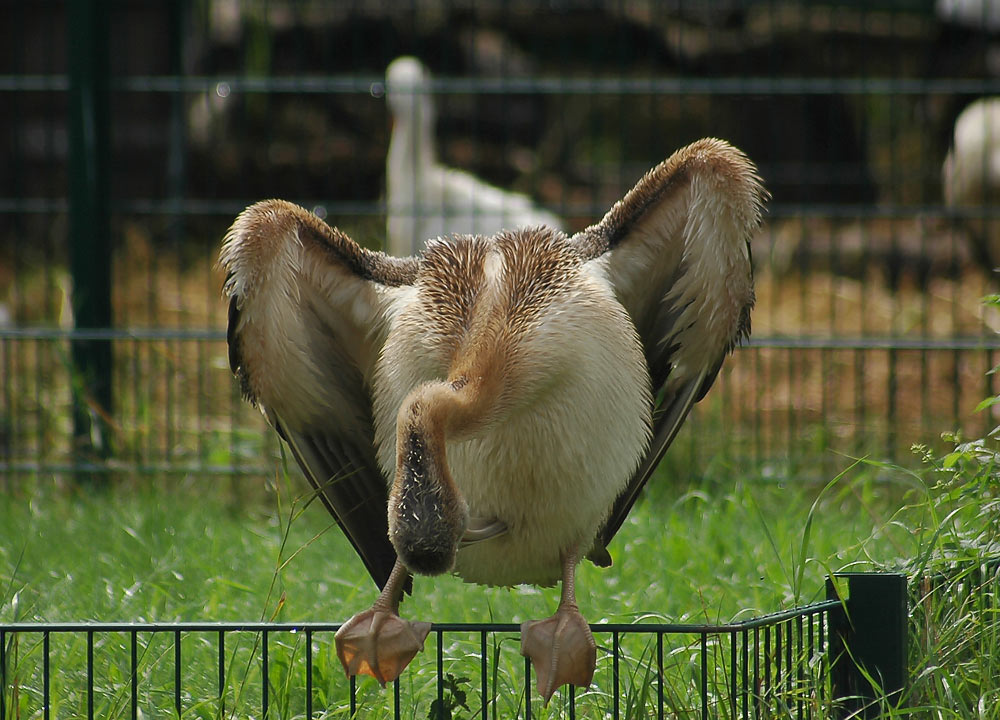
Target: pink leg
[561,648]
[378,642]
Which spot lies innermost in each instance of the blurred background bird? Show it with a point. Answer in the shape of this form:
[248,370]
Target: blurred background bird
[970,175]
[427,199]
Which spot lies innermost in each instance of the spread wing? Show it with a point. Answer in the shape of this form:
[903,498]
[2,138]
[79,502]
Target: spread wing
[676,250]
[307,319]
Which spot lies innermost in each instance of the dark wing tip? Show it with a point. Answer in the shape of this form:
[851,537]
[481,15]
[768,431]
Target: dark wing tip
[235,354]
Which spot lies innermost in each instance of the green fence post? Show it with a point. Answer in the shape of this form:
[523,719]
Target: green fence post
[868,641]
[90,228]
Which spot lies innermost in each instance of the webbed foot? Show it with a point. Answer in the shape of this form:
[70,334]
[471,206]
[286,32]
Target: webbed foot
[561,649]
[379,643]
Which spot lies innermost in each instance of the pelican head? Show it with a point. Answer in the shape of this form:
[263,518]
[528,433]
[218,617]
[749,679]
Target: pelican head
[407,91]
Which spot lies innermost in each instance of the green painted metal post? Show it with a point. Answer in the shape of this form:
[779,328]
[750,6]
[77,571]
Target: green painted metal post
[868,641]
[90,228]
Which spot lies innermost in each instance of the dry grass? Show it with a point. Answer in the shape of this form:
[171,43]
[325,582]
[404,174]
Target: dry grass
[177,405]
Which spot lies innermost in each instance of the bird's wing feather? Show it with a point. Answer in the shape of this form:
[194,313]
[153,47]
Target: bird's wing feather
[676,251]
[307,320]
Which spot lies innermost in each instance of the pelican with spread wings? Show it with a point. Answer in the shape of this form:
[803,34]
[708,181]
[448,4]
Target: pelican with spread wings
[493,406]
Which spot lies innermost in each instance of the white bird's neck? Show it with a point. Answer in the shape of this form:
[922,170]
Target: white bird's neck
[411,149]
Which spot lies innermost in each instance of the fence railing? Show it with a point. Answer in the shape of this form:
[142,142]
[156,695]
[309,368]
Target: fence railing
[803,403]
[137,132]
[807,662]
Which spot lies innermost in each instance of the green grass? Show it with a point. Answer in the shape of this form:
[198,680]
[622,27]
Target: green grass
[713,549]
[705,551]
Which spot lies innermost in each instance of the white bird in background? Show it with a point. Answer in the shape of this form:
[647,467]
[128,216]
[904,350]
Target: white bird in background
[426,199]
[971,173]
[494,406]
[979,14]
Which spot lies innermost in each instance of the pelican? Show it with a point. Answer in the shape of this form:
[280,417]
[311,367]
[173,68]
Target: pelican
[426,199]
[970,175]
[493,406]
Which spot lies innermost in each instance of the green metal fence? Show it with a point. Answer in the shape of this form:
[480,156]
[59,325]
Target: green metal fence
[789,664]
[135,131]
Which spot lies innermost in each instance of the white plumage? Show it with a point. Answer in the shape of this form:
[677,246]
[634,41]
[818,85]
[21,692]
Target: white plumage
[970,175]
[427,199]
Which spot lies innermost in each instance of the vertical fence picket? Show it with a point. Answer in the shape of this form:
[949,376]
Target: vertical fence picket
[527,688]
[3,674]
[659,675]
[778,675]
[768,690]
[483,675]
[264,674]
[134,673]
[745,669]
[800,670]
[177,673]
[222,672]
[309,674]
[704,676]
[90,675]
[733,673]
[46,685]
[440,670]
[615,675]
[757,692]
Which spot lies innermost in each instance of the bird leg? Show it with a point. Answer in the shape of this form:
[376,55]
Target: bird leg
[561,648]
[377,641]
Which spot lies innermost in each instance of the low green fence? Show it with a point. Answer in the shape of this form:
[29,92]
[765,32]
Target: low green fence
[833,658]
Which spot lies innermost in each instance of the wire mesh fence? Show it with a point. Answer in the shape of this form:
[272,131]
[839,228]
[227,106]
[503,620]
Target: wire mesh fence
[869,333]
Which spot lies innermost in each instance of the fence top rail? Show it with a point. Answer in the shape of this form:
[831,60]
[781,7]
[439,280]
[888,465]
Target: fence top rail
[178,206]
[638,628]
[660,85]
[989,341]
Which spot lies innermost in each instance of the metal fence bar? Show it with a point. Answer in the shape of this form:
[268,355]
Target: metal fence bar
[527,688]
[704,676]
[90,674]
[177,672]
[440,670]
[229,208]
[309,677]
[222,672]
[355,84]
[90,223]
[134,672]
[659,676]
[988,342]
[264,665]
[483,676]
[733,691]
[46,685]
[3,673]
